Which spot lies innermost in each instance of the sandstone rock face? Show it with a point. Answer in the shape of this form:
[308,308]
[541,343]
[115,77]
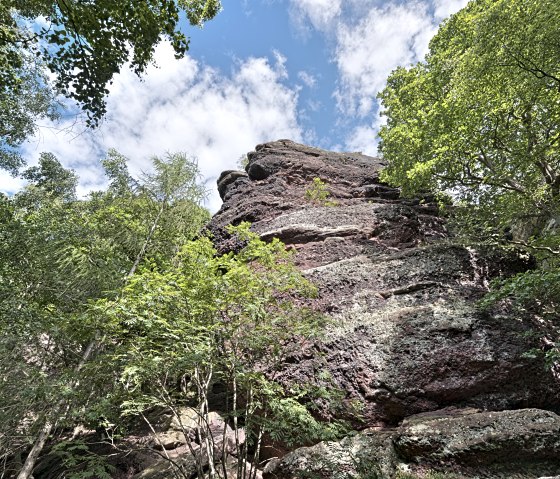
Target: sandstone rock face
[471,437]
[406,334]
[454,443]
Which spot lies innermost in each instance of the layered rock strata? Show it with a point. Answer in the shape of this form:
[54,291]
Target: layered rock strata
[406,335]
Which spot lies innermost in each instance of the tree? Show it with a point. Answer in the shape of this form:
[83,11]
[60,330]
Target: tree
[84,44]
[479,117]
[58,255]
[24,96]
[212,319]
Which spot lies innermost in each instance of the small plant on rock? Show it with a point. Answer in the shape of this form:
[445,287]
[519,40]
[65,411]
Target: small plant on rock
[318,193]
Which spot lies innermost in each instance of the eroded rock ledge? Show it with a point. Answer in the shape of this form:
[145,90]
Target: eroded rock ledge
[465,443]
[406,336]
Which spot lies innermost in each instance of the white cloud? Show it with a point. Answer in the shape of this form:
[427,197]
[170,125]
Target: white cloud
[183,106]
[367,52]
[362,139]
[445,8]
[307,78]
[319,13]
[314,105]
[280,66]
[369,39]
[187,106]
[8,184]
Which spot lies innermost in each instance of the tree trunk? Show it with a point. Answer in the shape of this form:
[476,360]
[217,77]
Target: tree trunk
[29,464]
[147,241]
[39,444]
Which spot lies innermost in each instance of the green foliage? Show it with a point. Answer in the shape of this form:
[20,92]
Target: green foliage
[24,96]
[525,288]
[209,319]
[479,116]
[58,255]
[536,292]
[479,120]
[83,45]
[318,193]
[242,162]
[80,463]
[86,43]
[292,423]
[163,316]
[50,179]
[426,475]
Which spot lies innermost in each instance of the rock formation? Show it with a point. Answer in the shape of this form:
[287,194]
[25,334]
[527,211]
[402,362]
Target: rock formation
[444,385]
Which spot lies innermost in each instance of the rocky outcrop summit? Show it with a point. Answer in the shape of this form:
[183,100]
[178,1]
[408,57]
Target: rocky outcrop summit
[433,382]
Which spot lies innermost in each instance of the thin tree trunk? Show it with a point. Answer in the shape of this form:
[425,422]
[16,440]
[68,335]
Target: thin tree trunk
[236,431]
[257,454]
[29,464]
[224,439]
[142,251]
[177,470]
[50,420]
[207,434]
[247,432]
[164,394]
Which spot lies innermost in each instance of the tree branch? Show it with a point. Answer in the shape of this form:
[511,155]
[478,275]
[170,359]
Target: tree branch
[488,163]
[536,248]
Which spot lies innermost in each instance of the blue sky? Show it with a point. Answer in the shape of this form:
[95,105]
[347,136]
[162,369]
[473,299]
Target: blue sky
[307,70]
[265,28]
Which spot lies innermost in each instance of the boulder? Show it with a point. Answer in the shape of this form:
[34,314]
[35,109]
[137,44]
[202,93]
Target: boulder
[227,179]
[472,438]
[367,454]
[460,444]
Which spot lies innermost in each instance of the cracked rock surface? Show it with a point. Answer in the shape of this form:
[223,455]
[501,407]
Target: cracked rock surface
[405,335]
[459,444]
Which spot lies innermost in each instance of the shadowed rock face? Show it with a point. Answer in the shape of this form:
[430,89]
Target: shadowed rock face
[405,335]
[459,444]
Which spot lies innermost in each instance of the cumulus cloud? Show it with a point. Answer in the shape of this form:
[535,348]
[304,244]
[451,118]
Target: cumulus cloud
[363,136]
[367,52]
[362,139]
[8,184]
[188,106]
[182,106]
[369,39]
[319,13]
[445,8]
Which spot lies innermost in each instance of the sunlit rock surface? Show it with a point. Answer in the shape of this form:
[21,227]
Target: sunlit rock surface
[406,335]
